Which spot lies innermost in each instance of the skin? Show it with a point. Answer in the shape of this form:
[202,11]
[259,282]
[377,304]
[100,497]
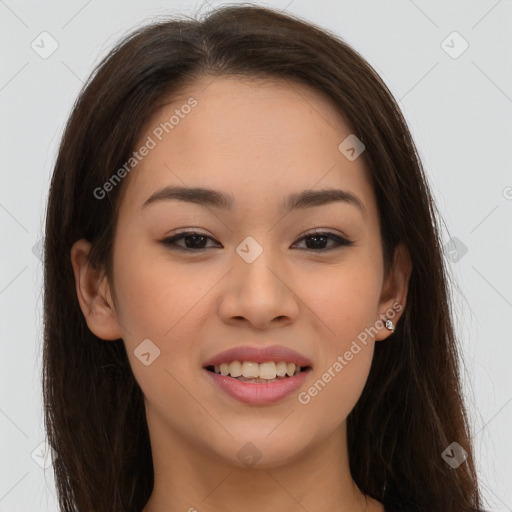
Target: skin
[258,141]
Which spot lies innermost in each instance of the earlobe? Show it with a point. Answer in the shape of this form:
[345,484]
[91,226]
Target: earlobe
[394,292]
[93,293]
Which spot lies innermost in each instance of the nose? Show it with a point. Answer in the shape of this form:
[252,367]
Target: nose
[259,293]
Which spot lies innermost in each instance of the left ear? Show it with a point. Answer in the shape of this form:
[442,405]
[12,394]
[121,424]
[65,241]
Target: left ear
[394,290]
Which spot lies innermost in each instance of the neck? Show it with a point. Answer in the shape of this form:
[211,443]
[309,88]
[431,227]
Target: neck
[191,478]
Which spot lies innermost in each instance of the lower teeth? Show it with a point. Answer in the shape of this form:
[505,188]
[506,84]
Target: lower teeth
[258,380]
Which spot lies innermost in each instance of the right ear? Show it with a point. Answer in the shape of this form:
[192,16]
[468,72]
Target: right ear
[93,292]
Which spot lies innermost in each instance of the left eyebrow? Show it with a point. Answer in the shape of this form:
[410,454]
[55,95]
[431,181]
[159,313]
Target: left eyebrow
[221,200]
[312,198]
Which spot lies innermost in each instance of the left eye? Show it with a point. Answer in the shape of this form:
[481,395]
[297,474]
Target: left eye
[197,241]
[320,237]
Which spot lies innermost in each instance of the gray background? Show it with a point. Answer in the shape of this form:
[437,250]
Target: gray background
[459,111]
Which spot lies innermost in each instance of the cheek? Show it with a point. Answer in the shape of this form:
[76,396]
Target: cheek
[334,391]
[158,301]
[164,302]
[347,306]
[345,297]
[153,293]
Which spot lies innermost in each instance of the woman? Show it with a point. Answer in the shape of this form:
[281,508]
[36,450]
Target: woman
[245,299]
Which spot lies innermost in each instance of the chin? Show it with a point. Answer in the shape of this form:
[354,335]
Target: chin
[263,451]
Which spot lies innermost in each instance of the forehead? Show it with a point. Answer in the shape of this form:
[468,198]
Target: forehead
[249,137]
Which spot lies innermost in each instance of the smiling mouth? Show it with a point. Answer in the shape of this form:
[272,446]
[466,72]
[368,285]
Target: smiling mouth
[252,372]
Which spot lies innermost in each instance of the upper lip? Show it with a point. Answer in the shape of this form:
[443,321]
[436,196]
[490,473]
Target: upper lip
[259,355]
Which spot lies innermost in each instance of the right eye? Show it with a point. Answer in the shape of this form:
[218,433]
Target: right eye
[195,241]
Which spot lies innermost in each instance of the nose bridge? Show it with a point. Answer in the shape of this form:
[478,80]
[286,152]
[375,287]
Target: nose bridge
[258,287]
[257,265]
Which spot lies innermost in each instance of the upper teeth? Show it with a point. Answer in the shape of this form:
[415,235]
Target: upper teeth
[249,369]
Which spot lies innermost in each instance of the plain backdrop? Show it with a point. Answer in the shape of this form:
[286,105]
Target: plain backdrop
[457,101]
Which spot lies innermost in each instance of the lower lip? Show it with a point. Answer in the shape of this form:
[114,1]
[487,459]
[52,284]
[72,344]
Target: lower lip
[258,393]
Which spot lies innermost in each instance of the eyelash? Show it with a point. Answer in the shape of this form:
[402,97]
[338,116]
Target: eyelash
[170,242]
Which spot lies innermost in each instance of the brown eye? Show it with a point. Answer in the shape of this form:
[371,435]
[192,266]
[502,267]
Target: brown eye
[194,241]
[316,241]
[320,239]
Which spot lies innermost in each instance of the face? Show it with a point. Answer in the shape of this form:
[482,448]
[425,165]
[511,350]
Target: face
[308,278]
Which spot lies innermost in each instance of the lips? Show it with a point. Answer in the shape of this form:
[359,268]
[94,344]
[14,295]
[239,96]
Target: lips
[257,394]
[259,355]
[257,391]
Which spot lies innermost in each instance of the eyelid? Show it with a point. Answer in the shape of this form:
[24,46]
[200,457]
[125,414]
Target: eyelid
[182,234]
[324,231]
[341,240]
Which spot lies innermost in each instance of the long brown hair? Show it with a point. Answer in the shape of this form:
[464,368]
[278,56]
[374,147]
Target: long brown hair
[411,408]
